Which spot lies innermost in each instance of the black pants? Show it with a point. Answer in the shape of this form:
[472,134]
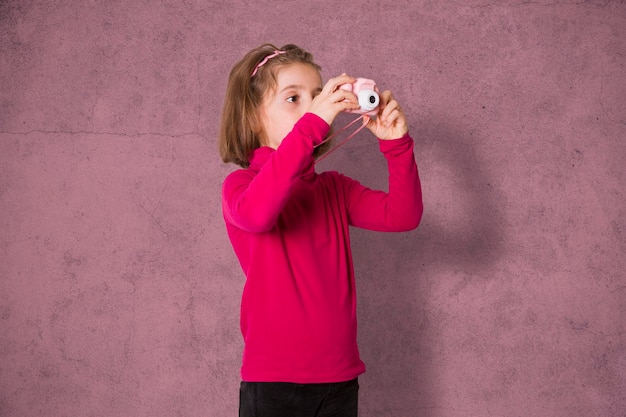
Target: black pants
[283,399]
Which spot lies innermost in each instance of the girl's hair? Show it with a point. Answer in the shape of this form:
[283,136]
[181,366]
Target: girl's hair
[240,127]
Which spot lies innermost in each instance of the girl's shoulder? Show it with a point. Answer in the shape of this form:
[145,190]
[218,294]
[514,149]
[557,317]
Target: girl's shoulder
[238,176]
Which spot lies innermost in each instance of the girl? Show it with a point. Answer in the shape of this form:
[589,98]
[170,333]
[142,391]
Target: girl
[289,227]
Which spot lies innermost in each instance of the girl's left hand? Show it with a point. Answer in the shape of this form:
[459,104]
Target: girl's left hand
[390,123]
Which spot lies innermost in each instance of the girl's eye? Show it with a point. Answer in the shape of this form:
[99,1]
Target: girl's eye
[292,99]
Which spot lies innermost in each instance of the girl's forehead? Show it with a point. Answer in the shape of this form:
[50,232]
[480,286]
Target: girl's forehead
[298,74]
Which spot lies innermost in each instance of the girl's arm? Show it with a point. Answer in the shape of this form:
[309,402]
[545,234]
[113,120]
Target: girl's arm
[254,202]
[399,209]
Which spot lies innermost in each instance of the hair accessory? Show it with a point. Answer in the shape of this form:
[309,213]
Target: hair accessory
[267,58]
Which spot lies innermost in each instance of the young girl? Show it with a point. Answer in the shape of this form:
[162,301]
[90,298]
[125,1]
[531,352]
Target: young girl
[289,227]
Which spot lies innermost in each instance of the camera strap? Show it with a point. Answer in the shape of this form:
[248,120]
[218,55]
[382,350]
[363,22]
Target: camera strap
[353,134]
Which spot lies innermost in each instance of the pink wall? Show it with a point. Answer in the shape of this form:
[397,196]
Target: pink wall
[119,292]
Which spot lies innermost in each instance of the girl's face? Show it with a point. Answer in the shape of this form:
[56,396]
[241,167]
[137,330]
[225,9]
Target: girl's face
[296,86]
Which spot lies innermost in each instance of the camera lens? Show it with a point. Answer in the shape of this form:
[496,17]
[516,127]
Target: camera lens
[368,100]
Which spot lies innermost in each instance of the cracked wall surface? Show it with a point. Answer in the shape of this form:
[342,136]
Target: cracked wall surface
[119,292]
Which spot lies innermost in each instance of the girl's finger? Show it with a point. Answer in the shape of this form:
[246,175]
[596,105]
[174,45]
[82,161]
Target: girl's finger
[385,98]
[392,117]
[344,95]
[333,84]
[390,107]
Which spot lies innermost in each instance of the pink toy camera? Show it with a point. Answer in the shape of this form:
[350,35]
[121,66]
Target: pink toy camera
[367,93]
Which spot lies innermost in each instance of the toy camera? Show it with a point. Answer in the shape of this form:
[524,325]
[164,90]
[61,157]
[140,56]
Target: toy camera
[367,93]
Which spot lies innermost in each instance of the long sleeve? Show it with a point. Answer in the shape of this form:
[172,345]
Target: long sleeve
[399,209]
[253,202]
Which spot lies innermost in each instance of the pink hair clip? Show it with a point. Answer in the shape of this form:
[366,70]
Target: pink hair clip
[267,58]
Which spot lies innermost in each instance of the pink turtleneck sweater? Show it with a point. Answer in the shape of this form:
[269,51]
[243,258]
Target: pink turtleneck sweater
[289,227]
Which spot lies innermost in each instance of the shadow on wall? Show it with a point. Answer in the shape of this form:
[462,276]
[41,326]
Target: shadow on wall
[398,274]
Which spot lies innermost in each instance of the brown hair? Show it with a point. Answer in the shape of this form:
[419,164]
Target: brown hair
[241,126]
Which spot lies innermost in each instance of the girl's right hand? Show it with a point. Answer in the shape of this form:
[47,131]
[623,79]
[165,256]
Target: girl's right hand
[332,100]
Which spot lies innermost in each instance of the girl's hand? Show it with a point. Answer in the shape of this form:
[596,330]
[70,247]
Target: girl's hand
[390,123]
[332,100]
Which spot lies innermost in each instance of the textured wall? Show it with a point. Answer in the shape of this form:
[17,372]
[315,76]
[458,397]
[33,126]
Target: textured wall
[119,292]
